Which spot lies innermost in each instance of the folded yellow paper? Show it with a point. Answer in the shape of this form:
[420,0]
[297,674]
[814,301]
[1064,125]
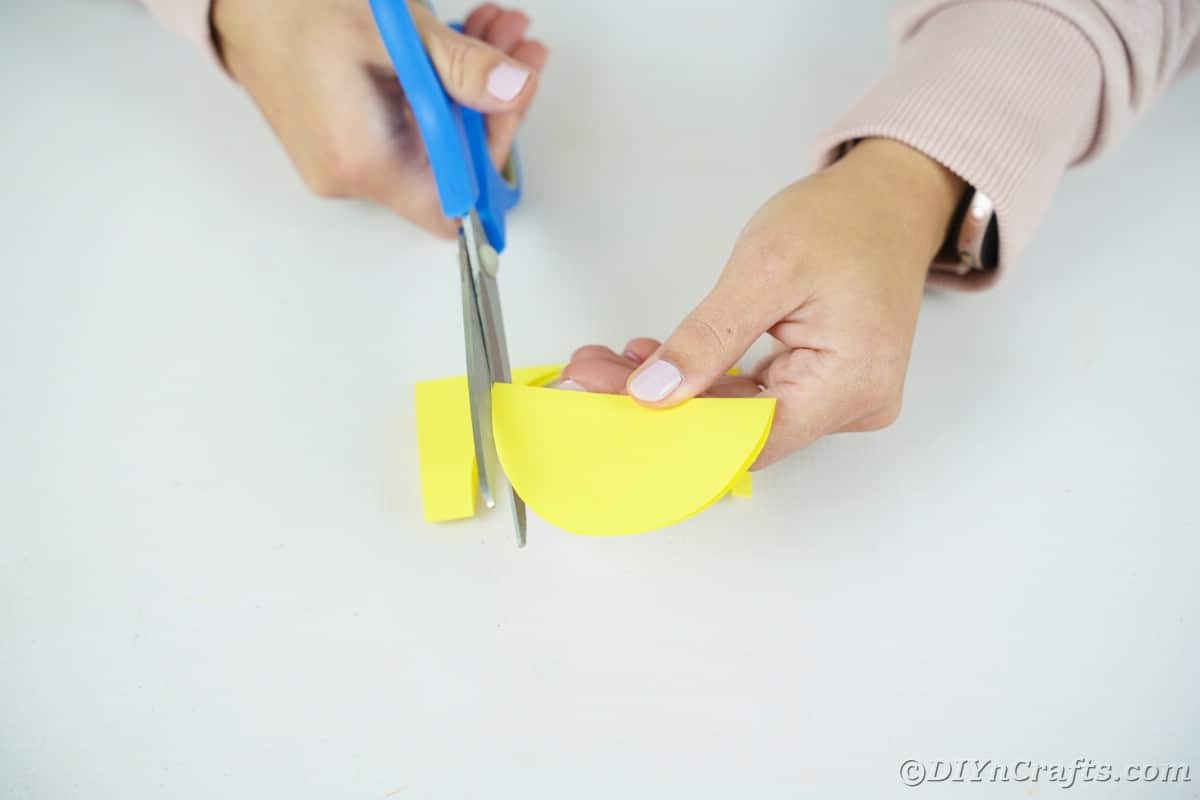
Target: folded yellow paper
[592,464]
[600,464]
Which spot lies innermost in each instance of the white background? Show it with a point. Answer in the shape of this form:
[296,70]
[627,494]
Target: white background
[215,581]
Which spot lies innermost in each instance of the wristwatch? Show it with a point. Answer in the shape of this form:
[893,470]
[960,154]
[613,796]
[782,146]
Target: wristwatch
[972,238]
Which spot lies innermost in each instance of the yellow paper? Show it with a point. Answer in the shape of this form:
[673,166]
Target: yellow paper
[445,447]
[742,487]
[602,465]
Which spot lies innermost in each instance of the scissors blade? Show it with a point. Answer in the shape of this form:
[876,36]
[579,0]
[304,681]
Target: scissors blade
[518,513]
[479,382]
[484,265]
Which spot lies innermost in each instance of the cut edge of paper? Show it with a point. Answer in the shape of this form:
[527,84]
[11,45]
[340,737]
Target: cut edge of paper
[445,446]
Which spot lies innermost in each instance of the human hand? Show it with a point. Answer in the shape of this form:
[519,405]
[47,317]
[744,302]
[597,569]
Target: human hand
[833,268]
[320,75]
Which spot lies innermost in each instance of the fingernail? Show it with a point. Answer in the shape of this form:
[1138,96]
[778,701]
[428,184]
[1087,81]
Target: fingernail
[656,381]
[506,81]
[632,356]
[570,386]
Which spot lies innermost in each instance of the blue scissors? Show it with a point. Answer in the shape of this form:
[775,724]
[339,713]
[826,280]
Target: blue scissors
[477,195]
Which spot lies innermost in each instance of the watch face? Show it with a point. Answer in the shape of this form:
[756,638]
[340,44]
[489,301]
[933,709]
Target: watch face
[972,238]
[950,257]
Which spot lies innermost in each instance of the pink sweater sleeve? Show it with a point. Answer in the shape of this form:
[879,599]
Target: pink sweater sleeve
[189,19]
[1009,93]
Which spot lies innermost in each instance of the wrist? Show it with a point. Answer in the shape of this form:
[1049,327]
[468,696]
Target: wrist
[228,23]
[919,191]
[214,34]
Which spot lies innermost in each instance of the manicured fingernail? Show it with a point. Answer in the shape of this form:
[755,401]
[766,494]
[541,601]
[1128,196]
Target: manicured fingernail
[656,381]
[570,386]
[506,81]
[632,356]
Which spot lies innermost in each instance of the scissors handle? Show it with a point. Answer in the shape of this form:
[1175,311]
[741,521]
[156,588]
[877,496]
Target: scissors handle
[455,137]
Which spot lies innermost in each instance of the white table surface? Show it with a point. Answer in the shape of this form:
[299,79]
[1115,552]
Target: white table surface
[215,580]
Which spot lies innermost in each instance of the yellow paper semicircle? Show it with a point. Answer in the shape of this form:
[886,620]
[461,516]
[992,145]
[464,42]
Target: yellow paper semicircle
[601,465]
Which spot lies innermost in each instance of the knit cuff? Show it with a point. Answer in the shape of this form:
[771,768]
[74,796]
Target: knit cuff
[1004,93]
[190,19]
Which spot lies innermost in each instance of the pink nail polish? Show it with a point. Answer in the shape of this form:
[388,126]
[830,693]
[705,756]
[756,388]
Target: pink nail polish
[506,81]
[570,386]
[656,381]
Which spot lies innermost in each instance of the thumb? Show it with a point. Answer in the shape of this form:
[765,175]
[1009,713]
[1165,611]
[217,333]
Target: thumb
[473,72]
[706,344]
